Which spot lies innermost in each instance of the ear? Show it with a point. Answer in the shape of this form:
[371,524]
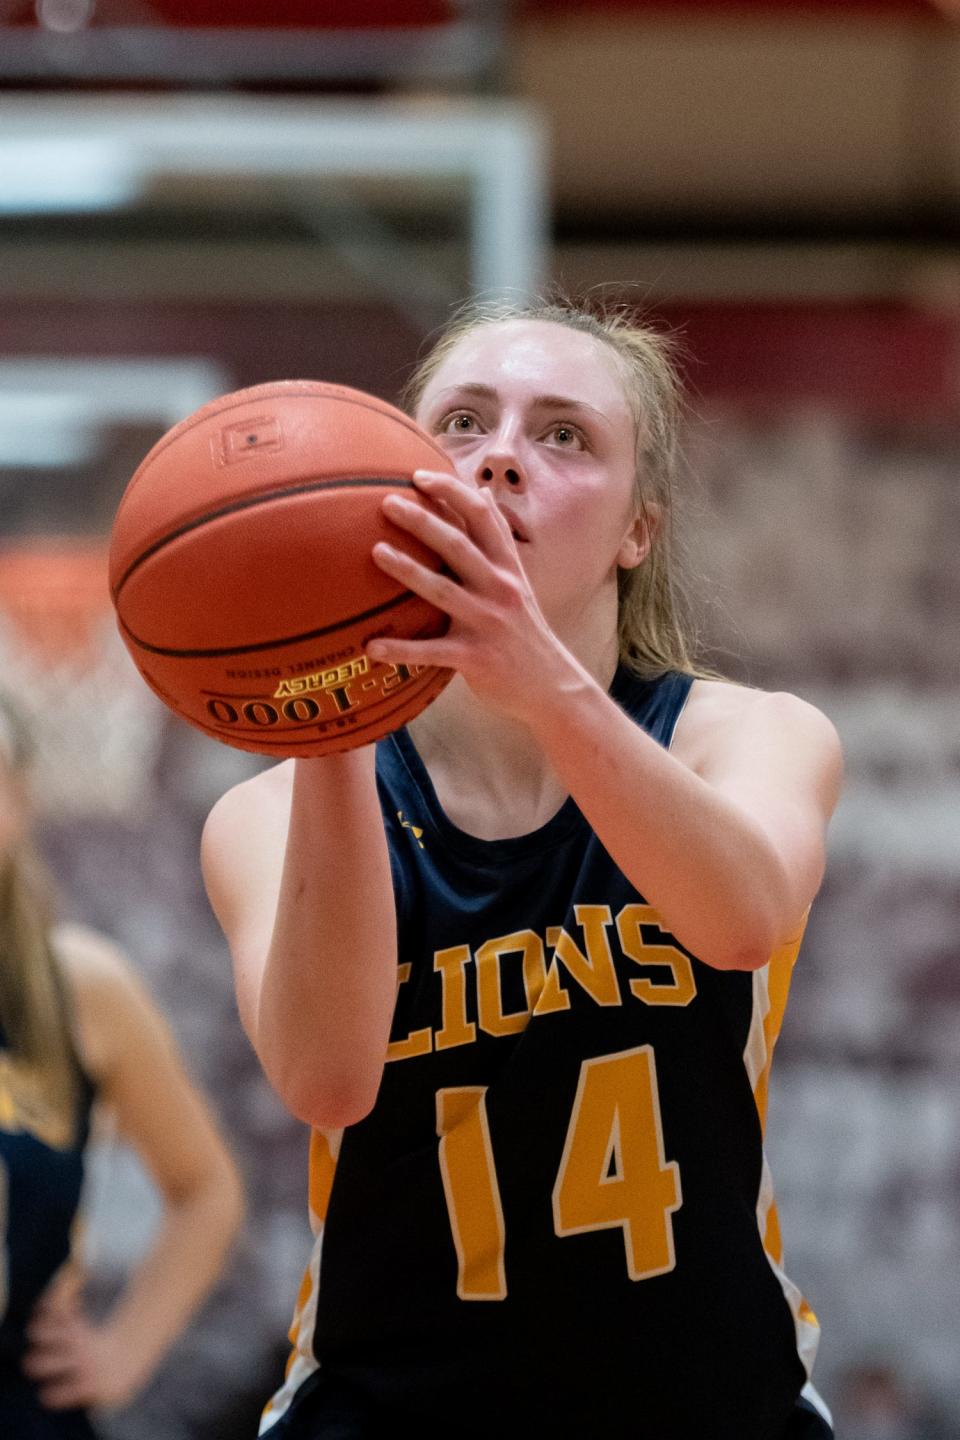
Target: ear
[636,544]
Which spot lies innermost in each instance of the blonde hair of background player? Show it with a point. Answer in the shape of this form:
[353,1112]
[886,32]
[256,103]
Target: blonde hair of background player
[67,995]
[655,618]
[33,1005]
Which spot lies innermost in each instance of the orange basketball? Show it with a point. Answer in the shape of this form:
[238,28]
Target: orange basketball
[241,571]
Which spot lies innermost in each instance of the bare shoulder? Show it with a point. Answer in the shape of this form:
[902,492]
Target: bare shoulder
[267,792]
[243,842]
[244,825]
[722,719]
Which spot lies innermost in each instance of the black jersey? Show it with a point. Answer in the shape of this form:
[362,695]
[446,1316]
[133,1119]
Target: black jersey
[41,1176]
[558,1211]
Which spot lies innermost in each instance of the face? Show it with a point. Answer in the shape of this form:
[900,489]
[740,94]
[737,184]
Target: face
[538,413]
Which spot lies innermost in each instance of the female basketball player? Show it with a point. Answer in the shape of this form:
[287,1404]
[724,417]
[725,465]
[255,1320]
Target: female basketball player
[523,969]
[77,1028]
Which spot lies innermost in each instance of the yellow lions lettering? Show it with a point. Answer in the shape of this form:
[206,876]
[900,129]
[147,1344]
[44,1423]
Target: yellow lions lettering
[549,969]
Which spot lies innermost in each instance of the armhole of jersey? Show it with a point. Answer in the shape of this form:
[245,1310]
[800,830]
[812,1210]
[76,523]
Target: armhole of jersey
[387,758]
[684,683]
[400,887]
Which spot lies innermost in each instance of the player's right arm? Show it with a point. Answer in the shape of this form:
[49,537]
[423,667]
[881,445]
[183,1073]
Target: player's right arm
[298,873]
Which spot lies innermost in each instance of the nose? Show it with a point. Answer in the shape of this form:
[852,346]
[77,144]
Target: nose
[501,465]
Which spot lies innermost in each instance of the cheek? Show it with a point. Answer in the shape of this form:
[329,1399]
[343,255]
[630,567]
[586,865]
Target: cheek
[595,507]
[461,454]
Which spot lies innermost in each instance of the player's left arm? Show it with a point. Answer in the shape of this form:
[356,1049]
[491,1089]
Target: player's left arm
[127,1047]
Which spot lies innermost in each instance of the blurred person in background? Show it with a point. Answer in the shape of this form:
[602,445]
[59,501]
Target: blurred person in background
[77,1032]
[564,904]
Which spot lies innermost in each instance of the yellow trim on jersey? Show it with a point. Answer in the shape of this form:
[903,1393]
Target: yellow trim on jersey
[779,971]
[771,986]
[322,1165]
[302,1362]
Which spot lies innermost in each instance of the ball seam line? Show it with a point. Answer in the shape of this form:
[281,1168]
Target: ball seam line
[221,651]
[249,502]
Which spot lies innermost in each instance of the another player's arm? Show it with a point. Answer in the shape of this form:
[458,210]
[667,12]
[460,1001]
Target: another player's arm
[298,873]
[128,1050]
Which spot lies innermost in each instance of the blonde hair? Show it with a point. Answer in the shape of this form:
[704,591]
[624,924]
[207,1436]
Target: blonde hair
[655,621]
[34,1010]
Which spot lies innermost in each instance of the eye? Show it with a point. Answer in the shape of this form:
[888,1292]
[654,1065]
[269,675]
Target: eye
[458,422]
[566,437]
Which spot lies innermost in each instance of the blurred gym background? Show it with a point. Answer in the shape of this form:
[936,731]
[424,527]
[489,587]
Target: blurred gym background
[198,194]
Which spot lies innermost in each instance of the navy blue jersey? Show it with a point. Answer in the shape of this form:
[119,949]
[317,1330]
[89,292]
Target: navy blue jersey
[41,1176]
[558,1211]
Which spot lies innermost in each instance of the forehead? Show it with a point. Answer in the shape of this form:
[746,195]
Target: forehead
[521,359]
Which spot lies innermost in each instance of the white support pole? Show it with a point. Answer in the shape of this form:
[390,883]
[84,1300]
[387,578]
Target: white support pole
[509,220]
[498,148]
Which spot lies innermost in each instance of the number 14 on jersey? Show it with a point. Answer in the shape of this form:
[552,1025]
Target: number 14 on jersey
[613,1173]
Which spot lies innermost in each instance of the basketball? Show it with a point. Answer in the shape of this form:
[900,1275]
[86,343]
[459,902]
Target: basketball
[241,569]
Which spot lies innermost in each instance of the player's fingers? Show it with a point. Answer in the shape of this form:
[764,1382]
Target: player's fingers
[68,1393]
[443,653]
[48,1362]
[435,500]
[47,1329]
[475,506]
[451,542]
[61,1307]
[63,1291]
[50,1336]
[440,590]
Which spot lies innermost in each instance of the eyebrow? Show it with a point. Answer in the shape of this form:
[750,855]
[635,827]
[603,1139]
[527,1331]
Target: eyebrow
[539,402]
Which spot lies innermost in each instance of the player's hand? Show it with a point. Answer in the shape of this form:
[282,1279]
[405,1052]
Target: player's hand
[498,638]
[73,1361]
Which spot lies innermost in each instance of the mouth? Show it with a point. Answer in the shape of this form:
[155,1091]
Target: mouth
[515,528]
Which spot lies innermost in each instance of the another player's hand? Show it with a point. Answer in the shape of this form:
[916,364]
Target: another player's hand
[73,1361]
[498,638]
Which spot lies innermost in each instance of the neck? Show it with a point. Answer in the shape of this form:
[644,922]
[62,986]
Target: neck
[493,755]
